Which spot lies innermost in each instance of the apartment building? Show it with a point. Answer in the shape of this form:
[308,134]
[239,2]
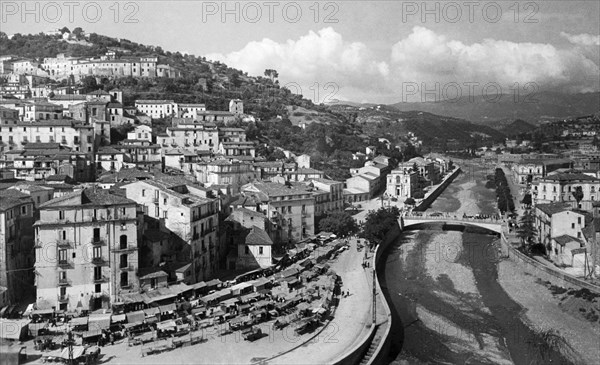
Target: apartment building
[189,212]
[191,134]
[292,208]
[86,250]
[156,108]
[562,229]
[76,135]
[328,195]
[140,153]
[535,169]
[16,244]
[560,188]
[224,172]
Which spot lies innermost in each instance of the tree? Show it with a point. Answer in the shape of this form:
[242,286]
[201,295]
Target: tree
[340,223]
[526,231]
[378,223]
[409,201]
[272,74]
[527,200]
[89,83]
[578,194]
[78,32]
[415,167]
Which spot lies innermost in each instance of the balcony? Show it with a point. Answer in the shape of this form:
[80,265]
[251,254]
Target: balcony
[63,298]
[126,286]
[64,244]
[98,261]
[100,279]
[124,249]
[64,264]
[97,241]
[126,267]
[64,282]
[155,200]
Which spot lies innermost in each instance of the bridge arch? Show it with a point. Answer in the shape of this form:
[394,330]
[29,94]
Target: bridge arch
[495,227]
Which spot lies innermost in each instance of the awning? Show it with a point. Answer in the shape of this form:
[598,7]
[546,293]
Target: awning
[230,302]
[116,318]
[198,310]
[199,285]
[92,333]
[136,317]
[78,351]
[150,312]
[167,308]
[79,321]
[303,306]
[165,325]
[99,321]
[42,311]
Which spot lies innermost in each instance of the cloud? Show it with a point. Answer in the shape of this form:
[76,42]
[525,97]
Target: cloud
[317,57]
[422,56]
[583,39]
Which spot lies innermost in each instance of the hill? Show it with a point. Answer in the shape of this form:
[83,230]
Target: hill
[533,108]
[517,127]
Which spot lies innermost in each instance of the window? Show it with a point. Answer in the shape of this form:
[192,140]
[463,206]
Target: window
[156,212]
[165,214]
[260,250]
[61,214]
[97,252]
[579,220]
[23,210]
[123,242]
[62,255]
[573,225]
[98,288]
[97,272]
[143,192]
[247,250]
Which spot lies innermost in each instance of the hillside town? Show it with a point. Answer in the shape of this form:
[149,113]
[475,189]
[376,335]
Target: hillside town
[118,215]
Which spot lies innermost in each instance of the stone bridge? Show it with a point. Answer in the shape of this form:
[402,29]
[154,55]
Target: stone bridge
[491,224]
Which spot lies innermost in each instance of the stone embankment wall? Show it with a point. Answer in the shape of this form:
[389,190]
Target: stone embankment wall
[545,272]
[432,195]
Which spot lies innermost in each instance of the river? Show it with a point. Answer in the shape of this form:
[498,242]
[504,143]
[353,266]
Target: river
[448,307]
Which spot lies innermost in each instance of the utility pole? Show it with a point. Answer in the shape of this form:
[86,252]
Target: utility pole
[374,298]
[70,347]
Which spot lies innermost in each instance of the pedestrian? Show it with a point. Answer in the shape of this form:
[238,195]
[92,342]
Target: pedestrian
[348,293]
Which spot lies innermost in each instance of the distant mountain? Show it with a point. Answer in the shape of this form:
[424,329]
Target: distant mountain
[519,126]
[534,108]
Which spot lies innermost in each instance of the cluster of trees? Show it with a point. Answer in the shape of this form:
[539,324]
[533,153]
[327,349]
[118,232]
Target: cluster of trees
[340,223]
[503,194]
[379,223]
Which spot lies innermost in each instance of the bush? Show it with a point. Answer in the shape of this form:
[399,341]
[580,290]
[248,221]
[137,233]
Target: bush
[409,201]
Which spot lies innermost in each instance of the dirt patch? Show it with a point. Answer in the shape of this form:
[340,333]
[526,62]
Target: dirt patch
[580,303]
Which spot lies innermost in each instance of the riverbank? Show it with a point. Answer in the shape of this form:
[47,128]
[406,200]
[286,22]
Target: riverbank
[451,306]
[543,310]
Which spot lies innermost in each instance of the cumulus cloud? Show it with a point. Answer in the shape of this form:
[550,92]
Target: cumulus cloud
[423,56]
[317,57]
[583,39]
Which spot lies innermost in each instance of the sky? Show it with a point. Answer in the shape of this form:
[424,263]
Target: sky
[363,51]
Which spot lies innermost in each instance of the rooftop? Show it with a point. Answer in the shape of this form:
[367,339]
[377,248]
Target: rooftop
[88,197]
[553,208]
[258,237]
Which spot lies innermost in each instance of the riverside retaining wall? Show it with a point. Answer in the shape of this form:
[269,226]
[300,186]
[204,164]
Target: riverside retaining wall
[543,271]
[432,195]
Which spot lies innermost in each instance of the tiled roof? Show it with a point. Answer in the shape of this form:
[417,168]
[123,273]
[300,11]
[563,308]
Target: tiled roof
[88,197]
[564,239]
[570,177]
[274,189]
[10,198]
[553,208]
[258,237]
